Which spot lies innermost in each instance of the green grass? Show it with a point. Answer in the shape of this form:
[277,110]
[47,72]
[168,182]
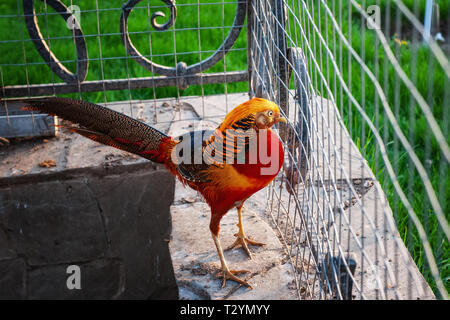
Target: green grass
[420,65]
[31,69]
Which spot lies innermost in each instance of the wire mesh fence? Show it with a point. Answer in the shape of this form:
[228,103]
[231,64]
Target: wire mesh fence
[365,66]
[362,204]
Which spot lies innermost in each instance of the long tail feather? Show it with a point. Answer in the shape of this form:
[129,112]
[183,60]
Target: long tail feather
[107,126]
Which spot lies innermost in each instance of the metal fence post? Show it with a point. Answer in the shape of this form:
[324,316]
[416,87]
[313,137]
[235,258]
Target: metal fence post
[281,60]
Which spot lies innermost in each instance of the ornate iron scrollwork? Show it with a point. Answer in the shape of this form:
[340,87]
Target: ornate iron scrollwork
[168,24]
[183,73]
[42,47]
[181,69]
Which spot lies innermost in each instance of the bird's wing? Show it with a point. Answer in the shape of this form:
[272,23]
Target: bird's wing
[230,144]
[104,125]
[200,150]
[188,155]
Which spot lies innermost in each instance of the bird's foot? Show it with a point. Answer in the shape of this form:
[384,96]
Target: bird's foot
[227,274]
[243,241]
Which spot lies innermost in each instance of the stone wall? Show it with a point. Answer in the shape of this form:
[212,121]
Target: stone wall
[113,223]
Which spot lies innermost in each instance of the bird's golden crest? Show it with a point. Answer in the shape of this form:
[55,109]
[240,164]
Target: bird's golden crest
[248,108]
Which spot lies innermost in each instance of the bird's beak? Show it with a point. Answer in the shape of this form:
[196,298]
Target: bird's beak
[281,119]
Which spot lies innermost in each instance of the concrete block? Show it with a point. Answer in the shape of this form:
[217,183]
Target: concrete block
[7,250]
[138,224]
[12,279]
[53,222]
[99,279]
[113,222]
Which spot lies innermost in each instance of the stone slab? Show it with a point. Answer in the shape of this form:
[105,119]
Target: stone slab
[13,279]
[99,279]
[112,222]
[45,221]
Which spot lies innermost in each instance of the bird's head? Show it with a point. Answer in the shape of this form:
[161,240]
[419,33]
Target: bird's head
[256,113]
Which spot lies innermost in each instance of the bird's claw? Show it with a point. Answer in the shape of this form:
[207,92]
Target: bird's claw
[227,274]
[242,241]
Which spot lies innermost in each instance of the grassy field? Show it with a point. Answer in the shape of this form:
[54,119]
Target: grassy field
[21,64]
[419,65]
[422,68]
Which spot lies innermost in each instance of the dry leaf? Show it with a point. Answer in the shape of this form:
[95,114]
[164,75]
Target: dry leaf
[48,163]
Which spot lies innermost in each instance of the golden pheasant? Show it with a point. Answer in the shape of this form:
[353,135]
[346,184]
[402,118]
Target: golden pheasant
[226,166]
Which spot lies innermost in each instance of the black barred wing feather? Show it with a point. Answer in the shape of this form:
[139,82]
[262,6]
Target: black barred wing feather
[198,151]
[188,155]
[232,144]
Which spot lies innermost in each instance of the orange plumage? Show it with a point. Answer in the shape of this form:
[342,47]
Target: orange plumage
[242,156]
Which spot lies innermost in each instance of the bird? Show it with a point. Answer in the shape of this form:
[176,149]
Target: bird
[226,165]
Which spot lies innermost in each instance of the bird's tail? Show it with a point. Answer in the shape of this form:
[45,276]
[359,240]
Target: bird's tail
[108,127]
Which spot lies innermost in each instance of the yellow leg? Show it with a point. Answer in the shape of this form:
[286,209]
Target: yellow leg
[228,274]
[240,236]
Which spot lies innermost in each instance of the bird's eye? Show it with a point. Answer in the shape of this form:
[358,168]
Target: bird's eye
[270,113]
